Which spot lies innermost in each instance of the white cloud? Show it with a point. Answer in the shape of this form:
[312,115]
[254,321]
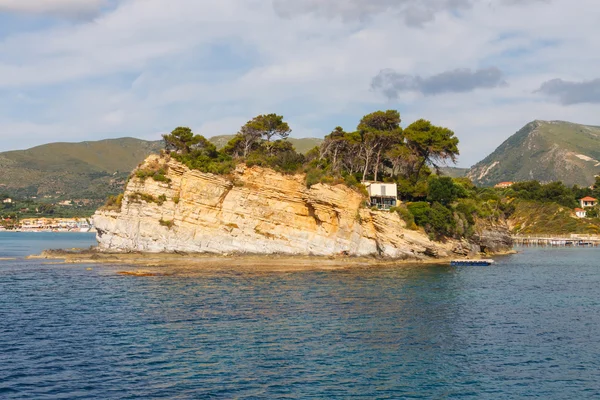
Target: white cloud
[147,66]
[71,8]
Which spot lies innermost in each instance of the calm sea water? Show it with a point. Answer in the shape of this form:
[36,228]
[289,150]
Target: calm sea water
[527,327]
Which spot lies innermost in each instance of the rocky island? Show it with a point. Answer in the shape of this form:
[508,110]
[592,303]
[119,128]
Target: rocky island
[258,196]
[256,210]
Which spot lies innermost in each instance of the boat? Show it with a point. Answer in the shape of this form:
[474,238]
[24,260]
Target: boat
[471,263]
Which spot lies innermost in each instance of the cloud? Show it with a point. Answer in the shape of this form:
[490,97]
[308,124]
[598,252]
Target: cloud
[140,67]
[392,83]
[569,93]
[414,12]
[67,8]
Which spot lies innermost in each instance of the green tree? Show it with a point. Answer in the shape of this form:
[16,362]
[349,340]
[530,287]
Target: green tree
[247,140]
[443,190]
[181,140]
[378,131]
[268,126]
[431,144]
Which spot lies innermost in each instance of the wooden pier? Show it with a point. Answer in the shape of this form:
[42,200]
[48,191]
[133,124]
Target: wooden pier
[557,240]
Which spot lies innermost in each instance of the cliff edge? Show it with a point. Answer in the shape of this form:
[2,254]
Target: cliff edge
[258,211]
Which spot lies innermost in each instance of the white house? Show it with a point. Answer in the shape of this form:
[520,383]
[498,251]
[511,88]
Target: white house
[588,202]
[580,213]
[382,195]
[7,201]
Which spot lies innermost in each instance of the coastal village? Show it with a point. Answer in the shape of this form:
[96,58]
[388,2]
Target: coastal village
[48,225]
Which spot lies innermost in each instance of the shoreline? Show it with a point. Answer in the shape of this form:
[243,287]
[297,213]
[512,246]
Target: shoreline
[235,261]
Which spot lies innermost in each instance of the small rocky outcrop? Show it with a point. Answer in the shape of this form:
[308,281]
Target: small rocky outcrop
[253,210]
[492,237]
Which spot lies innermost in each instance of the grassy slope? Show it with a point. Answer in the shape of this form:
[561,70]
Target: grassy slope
[544,151]
[87,169]
[549,218]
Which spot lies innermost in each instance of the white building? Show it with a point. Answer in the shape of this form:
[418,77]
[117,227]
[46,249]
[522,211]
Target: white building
[7,201]
[580,213]
[382,195]
[588,202]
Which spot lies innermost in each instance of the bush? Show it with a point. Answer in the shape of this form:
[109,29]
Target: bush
[167,223]
[114,203]
[420,211]
[441,221]
[155,171]
[406,216]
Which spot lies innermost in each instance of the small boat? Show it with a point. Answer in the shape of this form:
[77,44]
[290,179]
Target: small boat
[471,263]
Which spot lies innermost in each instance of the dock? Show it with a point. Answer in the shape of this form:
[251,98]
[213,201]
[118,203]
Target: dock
[471,263]
[572,240]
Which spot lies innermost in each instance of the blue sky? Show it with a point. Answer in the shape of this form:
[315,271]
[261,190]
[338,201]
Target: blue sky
[74,70]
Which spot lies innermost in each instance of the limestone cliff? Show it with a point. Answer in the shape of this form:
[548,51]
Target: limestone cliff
[254,210]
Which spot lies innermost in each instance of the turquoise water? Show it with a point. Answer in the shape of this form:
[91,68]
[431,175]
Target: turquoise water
[527,327]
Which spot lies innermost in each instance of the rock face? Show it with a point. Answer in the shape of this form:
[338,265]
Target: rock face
[492,238]
[254,210]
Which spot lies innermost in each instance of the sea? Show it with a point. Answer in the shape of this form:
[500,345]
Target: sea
[527,327]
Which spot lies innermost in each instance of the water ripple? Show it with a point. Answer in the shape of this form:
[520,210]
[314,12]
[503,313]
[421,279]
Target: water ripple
[524,328]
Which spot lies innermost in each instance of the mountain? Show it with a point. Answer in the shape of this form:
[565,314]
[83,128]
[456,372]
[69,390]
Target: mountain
[87,170]
[303,145]
[454,172]
[545,151]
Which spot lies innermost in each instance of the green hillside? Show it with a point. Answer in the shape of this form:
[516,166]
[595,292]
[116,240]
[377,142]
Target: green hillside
[534,217]
[545,151]
[301,145]
[89,170]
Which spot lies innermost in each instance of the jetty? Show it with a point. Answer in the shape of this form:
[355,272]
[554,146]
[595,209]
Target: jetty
[471,263]
[572,240]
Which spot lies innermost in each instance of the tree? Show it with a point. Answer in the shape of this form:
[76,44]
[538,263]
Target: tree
[269,126]
[432,144]
[378,131]
[181,140]
[332,148]
[247,140]
[443,190]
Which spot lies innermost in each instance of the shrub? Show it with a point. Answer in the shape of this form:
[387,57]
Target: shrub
[441,222]
[167,223]
[420,212]
[114,203]
[406,216]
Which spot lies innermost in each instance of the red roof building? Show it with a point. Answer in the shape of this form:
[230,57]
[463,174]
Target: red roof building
[588,202]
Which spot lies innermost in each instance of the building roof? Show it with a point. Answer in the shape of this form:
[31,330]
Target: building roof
[588,198]
[579,209]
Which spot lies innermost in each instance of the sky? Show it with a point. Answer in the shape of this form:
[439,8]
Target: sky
[76,70]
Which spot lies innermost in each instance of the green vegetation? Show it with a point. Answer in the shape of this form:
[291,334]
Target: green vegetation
[155,171]
[82,172]
[114,203]
[533,217]
[544,151]
[20,208]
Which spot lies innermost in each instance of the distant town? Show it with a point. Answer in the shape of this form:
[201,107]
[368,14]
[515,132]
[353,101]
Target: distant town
[46,214]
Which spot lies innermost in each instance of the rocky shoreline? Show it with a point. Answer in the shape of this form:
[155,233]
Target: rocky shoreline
[230,261]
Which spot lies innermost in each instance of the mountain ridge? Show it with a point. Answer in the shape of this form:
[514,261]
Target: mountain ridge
[545,151]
